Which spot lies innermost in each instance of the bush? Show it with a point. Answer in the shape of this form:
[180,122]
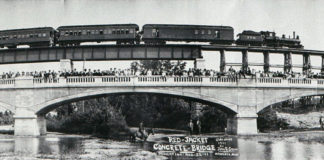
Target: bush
[104,121]
[268,120]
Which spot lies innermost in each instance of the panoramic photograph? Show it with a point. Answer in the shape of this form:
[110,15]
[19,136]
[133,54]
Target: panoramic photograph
[161,80]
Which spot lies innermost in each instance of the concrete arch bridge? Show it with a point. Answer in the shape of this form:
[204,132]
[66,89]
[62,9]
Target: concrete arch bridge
[31,98]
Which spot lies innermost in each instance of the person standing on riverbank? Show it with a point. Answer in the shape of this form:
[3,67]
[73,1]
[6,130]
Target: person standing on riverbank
[141,129]
[199,126]
[190,126]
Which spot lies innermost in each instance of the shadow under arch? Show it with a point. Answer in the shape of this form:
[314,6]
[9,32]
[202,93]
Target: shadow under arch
[283,99]
[48,106]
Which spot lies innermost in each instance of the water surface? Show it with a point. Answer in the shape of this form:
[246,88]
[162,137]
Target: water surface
[61,146]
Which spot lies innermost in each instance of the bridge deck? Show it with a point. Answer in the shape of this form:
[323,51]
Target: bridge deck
[156,81]
[129,52]
[260,49]
[101,52]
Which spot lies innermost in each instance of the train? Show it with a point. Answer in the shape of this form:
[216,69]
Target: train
[161,33]
[119,33]
[150,34]
[267,38]
[34,37]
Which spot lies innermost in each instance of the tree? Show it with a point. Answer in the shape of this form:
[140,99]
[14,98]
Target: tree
[161,64]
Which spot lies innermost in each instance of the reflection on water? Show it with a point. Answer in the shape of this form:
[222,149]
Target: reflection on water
[58,146]
[36,147]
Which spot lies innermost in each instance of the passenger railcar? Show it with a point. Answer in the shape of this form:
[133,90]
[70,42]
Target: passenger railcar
[249,37]
[34,37]
[161,33]
[121,33]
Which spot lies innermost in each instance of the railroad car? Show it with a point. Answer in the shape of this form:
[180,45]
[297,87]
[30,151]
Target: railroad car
[34,37]
[161,33]
[249,37]
[121,33]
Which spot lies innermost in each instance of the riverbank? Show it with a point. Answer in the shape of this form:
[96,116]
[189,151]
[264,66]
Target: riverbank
[309,136]
[301,121]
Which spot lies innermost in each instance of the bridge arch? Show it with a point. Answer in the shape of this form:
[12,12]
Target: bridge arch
[7,107]
[287,97]
[47,106]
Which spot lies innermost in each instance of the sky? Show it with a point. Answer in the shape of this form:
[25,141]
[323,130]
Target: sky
[306,17]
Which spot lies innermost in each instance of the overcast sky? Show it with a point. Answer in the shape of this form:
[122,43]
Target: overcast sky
[306,17]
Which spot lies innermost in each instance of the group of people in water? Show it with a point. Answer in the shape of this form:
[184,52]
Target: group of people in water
[194,128]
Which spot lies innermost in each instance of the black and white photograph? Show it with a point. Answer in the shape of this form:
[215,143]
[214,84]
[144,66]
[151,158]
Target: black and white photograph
[161,80]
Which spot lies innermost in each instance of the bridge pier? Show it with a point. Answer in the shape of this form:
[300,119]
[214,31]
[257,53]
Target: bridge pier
[242,125]
[247,125]
[25,123]
[41,122]
[266,60]
[231,127]
[222,66]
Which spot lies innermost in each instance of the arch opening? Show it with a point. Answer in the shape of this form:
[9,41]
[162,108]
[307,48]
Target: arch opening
[46,107]
[299,112]
[174,116]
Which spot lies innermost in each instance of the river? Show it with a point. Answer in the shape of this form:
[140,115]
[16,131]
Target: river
[273,146]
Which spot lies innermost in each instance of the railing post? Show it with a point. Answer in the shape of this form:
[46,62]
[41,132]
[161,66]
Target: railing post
[135,80]
[98,79]
[170,80]
[62,81]
[24,81]
[205,80]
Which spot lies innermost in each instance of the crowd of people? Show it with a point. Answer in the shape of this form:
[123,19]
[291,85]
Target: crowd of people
[111,72]
[248,73]
[191,72]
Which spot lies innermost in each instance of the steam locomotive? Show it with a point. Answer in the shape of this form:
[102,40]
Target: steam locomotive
[266,38]
[151,34]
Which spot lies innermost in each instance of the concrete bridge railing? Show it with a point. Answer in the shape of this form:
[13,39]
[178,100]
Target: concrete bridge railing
[30,82]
